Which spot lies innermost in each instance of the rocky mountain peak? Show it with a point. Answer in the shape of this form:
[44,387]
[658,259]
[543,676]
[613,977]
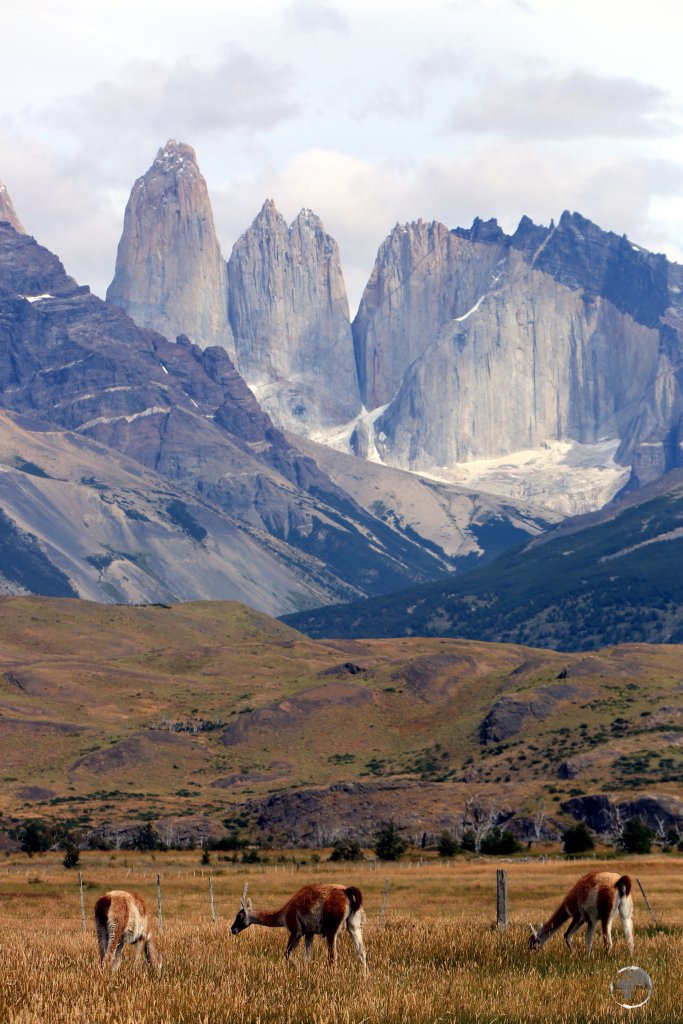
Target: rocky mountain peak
[290,319]
[7,212]
[170,274]
[176,157]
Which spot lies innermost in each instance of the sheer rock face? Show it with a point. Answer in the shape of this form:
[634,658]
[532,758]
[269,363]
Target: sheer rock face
[7,210]
[424,276]
[170,274]
[481,345]
[290,319]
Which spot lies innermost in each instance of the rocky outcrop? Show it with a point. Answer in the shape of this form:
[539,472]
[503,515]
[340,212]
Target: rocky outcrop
[508,715]
[290,319]
[185,415]
[604,815]
[7,212]
[170,274]
[481,345]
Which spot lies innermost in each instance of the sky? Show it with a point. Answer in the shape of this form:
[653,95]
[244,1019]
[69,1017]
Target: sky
[369,113]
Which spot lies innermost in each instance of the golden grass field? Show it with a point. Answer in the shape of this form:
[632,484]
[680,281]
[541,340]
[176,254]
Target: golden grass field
[437,958]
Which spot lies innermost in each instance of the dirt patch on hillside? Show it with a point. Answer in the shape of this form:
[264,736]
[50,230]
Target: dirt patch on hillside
[132,753]
[32,794]
[435,677]
[276,770]
[296,711]
[508,715]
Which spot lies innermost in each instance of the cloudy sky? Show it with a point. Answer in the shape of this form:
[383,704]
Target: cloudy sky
[369,112]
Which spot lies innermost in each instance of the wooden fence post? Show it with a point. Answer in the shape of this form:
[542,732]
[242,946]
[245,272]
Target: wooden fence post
[80,887]
[159,911]
[213,911]
[501,898]
[384,902]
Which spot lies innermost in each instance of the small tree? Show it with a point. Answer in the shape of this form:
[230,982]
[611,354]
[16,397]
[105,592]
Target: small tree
[499,843]
[346,849]
[35,838]
[637,837]
[389,845]
[578,839]
[71,855]
[447,845]
[146,837]
[469,841]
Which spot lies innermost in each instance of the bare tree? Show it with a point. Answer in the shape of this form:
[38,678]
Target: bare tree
[480,817]
[540,816]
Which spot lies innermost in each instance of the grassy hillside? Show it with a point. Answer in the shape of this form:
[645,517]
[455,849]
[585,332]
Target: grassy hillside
[603,579]
[187,714]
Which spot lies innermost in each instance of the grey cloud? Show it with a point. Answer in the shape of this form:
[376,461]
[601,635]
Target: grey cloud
[576,105]
[186,99]
[441,63]
[315,16]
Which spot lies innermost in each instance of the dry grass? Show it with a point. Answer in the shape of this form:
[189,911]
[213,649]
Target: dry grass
[438,957]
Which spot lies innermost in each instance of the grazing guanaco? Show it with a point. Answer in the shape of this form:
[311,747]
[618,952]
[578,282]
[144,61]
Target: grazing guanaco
[597,896]
[120,918]
[313,910]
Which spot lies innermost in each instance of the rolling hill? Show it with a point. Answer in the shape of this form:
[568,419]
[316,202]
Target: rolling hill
[208,716]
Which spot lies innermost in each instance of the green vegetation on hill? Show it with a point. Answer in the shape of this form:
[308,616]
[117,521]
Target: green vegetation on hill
[615,582]
[211,714]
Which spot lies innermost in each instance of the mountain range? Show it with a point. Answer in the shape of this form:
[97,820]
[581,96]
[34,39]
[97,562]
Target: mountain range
[223,429]
[470,347]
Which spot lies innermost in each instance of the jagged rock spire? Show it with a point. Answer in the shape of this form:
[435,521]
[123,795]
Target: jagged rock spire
[7,210]
[290,319]
[170,274]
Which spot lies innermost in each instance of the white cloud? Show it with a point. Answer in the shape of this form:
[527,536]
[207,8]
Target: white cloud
[573,106]
[152,101]
[315,16]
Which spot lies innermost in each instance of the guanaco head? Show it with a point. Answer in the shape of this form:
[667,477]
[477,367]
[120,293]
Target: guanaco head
[534,940]
[243,919]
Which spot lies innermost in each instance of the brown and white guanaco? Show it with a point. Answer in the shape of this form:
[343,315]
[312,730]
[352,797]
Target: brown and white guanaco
[597,896]
[120,918]
[313,910]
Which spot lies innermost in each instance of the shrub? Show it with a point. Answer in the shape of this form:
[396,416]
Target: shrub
[35,838]
[346,849]
[71,856]
[636,837]
[389,845]
[578,839]
[447,845]
[499,843]
[469,841]
[146,837]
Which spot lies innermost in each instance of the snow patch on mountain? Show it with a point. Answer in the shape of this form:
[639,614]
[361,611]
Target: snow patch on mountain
[565,476]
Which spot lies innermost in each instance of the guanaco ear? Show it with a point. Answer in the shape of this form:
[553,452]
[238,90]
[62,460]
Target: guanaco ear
[248,903]
[533,931]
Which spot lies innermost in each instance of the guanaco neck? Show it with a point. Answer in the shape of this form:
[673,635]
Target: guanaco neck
[268,918]
[553,923]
